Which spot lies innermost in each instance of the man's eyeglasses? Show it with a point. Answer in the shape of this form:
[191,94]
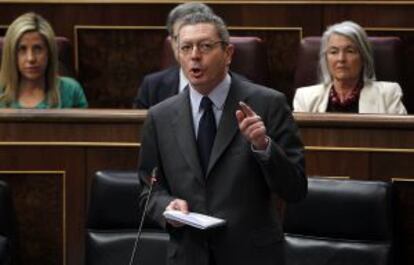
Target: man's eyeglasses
[203,47]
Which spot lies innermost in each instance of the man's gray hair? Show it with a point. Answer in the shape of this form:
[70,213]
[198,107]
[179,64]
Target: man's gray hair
[180,11]
[208,18]
[358,36]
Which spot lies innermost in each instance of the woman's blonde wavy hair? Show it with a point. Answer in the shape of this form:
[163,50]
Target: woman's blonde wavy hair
[9,73]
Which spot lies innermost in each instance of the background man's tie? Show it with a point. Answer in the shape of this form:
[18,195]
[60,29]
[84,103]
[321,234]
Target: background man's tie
[206,132]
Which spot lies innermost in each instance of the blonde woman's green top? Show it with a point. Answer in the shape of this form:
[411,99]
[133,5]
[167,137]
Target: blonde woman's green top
[71,96]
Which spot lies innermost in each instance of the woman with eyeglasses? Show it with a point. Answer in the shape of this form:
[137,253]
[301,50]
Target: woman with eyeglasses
[29,68]
[348,77]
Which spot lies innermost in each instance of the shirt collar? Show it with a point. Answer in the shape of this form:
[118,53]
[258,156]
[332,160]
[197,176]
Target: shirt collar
[183,82]
[218,95]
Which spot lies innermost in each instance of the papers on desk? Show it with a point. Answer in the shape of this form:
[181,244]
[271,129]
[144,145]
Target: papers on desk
[197,220]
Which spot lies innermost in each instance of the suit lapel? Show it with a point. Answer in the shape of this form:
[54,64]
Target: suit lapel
[323,105]
[184,132]
[367,102]
[228,126]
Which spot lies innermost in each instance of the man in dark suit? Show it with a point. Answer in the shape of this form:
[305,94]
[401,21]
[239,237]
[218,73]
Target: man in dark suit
[163,84]
[255,152]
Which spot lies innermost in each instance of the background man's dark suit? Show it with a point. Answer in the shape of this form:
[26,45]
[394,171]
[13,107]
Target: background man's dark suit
[156,87]
[238,184]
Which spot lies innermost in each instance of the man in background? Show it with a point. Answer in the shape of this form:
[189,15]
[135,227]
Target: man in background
[160,85]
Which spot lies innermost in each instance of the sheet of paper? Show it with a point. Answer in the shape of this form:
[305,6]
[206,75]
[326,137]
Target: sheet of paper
[200,221]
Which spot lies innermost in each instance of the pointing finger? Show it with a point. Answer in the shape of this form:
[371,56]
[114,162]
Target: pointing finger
[246,109]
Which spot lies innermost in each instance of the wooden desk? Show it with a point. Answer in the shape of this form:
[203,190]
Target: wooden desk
[359,146]
[50,156]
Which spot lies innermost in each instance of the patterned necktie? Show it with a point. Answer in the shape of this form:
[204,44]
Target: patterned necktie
[206,133]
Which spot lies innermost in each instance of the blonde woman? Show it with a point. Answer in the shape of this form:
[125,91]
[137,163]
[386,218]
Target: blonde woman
[29,68]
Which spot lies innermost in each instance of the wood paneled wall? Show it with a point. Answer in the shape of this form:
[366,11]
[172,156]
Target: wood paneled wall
[122,41]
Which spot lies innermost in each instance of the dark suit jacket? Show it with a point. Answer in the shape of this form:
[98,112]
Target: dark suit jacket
[238,185]
[156,87]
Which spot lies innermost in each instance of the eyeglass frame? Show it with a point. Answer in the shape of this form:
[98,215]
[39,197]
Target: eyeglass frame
[203,47]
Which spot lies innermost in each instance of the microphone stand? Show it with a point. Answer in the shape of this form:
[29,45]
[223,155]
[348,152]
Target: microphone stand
[144,213]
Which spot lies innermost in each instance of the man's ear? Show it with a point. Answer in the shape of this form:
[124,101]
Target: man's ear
[229,53]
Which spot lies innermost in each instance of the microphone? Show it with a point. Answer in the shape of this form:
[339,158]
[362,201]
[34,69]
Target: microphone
[144,213]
